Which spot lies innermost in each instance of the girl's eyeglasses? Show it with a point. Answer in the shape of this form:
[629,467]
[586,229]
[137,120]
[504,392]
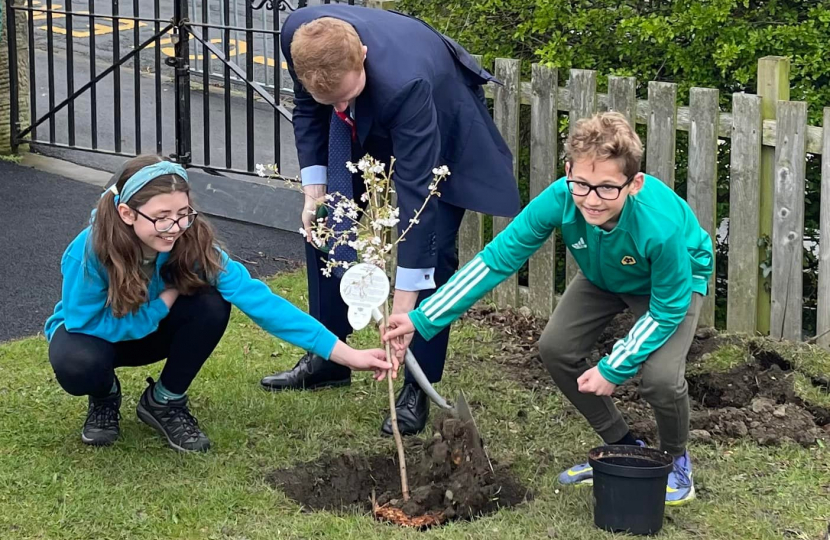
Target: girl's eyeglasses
[165,224]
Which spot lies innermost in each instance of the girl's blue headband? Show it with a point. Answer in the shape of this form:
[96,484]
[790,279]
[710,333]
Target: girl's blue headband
[142,177]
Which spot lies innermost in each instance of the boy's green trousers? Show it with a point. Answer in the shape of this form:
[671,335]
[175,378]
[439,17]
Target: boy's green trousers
[577,322]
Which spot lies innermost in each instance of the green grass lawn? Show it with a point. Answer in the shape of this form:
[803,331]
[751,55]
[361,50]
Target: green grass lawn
[53,486]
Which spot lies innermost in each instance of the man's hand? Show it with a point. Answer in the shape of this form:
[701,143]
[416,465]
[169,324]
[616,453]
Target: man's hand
[592,382]
[365,360]
[399,333]
[314,197]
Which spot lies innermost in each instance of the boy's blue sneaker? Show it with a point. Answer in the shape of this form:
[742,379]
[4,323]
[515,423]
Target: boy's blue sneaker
[581,474]
[680,488]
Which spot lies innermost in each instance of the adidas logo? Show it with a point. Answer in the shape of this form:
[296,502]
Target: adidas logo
[579,244]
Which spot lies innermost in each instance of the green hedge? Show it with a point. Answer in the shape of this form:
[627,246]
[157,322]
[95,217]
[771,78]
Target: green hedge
[714,44]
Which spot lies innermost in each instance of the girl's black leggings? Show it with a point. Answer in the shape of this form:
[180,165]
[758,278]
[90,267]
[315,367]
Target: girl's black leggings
[85,365]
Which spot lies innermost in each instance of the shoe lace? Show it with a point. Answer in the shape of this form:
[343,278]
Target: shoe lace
[104,414]
[408,397]
[183,425]
[680,472]
[303,362]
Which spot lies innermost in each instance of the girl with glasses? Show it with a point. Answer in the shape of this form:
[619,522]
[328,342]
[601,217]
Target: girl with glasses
[147,281]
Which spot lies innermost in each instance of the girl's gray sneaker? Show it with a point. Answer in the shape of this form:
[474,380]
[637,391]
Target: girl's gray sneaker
[173,420]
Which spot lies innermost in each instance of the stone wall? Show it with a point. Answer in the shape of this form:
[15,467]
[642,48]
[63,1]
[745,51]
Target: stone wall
[5,76]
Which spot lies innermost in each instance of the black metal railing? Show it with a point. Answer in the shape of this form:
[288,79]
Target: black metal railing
[88,105]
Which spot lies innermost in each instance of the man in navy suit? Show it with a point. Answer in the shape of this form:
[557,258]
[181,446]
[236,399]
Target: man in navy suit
[407,91]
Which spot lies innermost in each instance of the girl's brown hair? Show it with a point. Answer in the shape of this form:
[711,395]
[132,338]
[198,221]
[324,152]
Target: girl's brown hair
[194,262]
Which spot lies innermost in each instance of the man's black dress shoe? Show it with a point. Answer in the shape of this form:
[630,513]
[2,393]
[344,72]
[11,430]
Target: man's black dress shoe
[412,409]
[312,371]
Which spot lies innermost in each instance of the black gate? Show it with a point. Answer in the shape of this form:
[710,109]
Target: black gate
[198,80]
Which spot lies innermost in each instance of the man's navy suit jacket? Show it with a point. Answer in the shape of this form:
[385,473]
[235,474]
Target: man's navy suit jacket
[423,104]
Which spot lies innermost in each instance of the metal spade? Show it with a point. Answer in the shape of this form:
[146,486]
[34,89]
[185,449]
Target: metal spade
[460,410]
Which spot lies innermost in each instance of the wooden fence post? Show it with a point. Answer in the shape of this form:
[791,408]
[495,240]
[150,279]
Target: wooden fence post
[506,116]
[744,203]
[622,97]
[702,182]
[773,86]
[788,221]
[662,131]
[543,166]
[823,304]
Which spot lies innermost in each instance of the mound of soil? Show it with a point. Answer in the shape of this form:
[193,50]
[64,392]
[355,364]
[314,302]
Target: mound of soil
[449,478]
[755,400]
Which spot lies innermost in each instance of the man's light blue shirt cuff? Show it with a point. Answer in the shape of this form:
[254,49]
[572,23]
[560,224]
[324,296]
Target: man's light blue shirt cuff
[314,175]
[415,279]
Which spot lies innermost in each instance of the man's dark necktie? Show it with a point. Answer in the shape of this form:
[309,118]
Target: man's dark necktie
[341,131]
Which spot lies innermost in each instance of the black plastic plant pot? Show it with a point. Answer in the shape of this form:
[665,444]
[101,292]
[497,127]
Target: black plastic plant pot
[629,488]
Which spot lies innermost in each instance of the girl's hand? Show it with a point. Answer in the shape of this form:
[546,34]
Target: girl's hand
[169,297]
[365,360]
[399,333]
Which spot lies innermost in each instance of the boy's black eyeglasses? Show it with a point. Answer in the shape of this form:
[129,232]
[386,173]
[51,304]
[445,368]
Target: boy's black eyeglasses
[606,192]
[165,224]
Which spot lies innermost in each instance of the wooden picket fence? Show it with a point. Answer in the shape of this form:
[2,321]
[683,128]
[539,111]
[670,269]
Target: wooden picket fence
[770,139]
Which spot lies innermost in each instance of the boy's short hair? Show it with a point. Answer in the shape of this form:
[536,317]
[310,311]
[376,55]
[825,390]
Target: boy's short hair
[606,136]
[323,51]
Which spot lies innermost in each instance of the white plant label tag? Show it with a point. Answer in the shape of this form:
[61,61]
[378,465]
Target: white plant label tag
[364,287]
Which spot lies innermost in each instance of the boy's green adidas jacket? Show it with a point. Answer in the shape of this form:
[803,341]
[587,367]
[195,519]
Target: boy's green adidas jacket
[657,248]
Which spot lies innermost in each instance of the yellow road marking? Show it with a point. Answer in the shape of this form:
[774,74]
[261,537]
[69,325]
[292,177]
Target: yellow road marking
[236,48]
[100,29]
[261,60]
[36,16]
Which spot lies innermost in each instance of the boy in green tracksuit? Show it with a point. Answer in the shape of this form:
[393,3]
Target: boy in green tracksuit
[638,246]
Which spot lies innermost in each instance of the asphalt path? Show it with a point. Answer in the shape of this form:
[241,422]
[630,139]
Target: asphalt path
[40,213]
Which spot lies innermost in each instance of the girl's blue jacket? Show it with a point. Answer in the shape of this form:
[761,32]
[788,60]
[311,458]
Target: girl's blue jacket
[83,305]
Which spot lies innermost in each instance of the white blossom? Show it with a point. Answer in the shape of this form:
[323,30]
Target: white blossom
[379,224]
[351,167]
[363,164]
[303,233]
[358,245]
[260,170]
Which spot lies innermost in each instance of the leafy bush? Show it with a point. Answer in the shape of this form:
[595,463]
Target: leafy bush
[704,43]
